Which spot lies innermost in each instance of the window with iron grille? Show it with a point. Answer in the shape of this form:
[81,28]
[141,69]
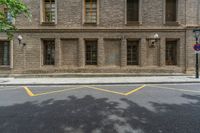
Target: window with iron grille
[132,10]
[49,52]
[4,53]
[171,53]
[91,52]
[132,52]
[8,15]
[90,11]
[171,10]
[49,11]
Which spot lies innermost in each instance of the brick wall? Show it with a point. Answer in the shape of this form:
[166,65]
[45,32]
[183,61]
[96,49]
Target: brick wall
[111,32]
[111,14]
[112,52]
[69,53]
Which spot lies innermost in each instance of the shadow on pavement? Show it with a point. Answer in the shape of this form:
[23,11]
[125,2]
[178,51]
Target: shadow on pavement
[91,115]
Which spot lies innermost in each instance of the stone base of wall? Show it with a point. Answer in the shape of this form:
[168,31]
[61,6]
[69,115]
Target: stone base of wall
[105,70]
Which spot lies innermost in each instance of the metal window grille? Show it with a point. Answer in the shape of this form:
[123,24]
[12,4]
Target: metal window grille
[91,52]
[171,53]
[132,10]
[132,52]
[49,52]
[171,7]
[90,11]
[49,10]
[8,15]
[4,53]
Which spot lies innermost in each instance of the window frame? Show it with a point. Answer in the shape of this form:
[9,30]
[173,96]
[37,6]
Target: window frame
[42,14]
[91,62]
[175,59]
[171,23]
[139,22]
[44,62]
[6,13]
[84,22]
[9,54]
[137,44]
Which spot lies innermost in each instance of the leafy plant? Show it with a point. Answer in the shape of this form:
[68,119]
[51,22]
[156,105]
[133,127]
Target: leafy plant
[14,9]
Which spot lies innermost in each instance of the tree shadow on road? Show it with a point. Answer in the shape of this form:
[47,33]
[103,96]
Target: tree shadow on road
[92,115]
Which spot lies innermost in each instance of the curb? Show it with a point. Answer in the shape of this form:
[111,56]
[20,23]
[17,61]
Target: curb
[120,83]
[73,75]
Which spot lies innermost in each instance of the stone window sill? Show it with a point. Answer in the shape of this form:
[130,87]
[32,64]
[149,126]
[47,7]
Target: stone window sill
[128,65]
[133,23]
[171,65]
[90,24]
[7,67]
[91,66]
[172,23]
[48,24]
[48,65]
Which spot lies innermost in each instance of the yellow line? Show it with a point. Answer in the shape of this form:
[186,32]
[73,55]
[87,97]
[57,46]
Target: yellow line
[175,89]
[28,91]
[51,92]
[135,90]
[95,88]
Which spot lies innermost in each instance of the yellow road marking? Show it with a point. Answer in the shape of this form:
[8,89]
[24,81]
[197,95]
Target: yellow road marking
[28,91]
[95,88]
[174,89]
[116,92]
[134,90]
[51,92]
[31,94]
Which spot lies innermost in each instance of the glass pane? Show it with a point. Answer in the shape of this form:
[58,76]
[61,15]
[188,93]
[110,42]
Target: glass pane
[91,11]
[49,52]
[132,52]
[49,10]
[4,53]
[91,52]
[132,10]
[171,10]
[171,52]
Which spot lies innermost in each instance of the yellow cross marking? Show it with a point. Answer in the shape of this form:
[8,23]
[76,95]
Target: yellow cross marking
[116,92]
[28,91]
[95,88]
[31,94]
[134,90]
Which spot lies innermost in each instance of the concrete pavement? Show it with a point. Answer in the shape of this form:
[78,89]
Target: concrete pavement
[98,80]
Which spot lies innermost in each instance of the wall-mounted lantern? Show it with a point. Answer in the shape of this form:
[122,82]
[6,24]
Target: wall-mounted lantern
[20,38]
[153,40]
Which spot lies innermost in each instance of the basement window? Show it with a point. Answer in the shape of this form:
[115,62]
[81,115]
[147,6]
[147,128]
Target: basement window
[132,52]
[4,53]
[49,52]
[91,52]
[171,53]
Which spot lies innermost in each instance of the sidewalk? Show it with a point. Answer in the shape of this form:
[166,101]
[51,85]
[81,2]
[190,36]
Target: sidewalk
[98,80]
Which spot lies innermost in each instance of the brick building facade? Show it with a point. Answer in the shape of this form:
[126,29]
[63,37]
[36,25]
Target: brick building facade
[103,36]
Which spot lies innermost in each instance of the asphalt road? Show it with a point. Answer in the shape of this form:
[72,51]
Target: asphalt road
[101,109]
